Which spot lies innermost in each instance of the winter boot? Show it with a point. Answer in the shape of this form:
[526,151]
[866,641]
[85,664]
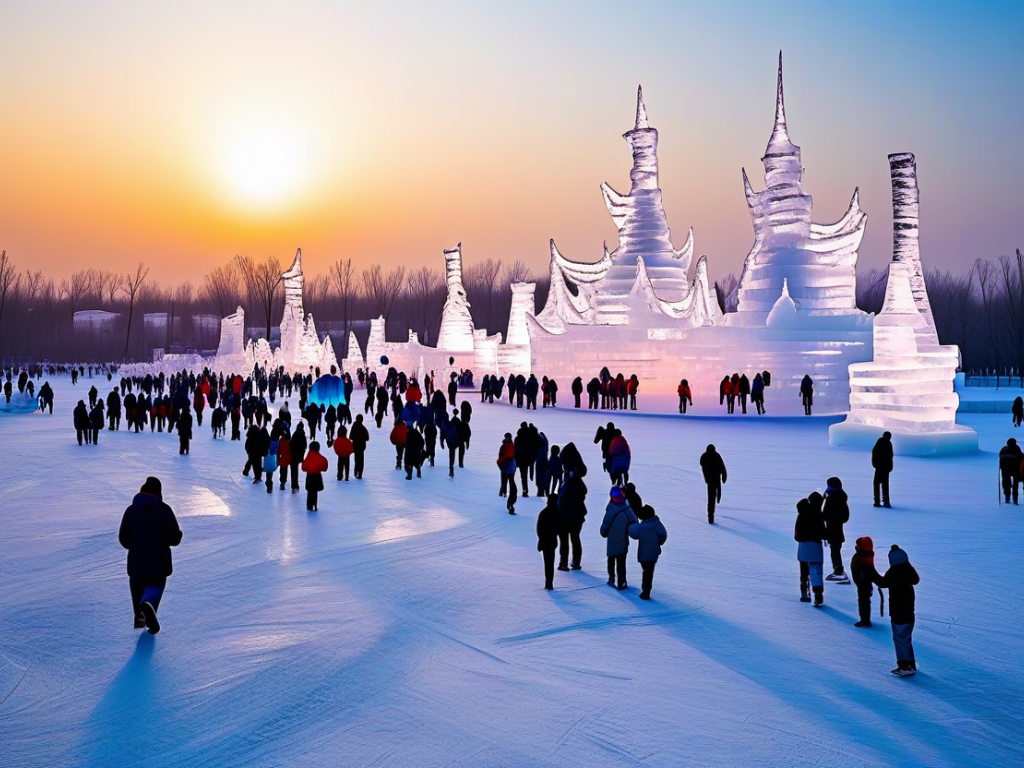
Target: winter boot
[863,624]
[805,592]
[149,613]
[819,597]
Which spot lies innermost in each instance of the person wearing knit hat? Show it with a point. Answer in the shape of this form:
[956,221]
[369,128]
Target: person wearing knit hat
[618,517]
[900,580]
[148,531]
[650,535]
[862,568]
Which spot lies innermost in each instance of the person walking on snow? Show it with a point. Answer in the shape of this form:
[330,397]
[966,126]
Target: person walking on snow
[1010,461]
[881,460]
[507,468]
[685,396]
[650,535]
[862,568]
[712,466]
[1017,409]
[547,535]
[618,516]
[808,532]
[836,512]
[314,465]
[900,580]
[148,531]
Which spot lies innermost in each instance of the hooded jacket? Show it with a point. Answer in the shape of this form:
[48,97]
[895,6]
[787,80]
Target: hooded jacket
[836,513]
[650,535]
[900,580]
[615,527]
[148,531]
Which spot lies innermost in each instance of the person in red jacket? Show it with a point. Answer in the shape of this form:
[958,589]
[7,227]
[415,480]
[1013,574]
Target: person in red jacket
[685,396]
[631,387]
[507,466]
[413,394]
[199,402]
[398,435]
[724,390]
[343,448]
[284,455]
[314,465]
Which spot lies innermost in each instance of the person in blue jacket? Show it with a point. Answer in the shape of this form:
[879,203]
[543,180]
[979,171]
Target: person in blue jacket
[650,535]
[148,531]
[618,516]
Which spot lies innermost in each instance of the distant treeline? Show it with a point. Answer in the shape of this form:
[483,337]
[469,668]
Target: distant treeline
[981,311]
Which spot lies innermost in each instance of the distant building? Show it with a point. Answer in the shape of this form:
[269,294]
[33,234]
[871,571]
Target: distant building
[95,322]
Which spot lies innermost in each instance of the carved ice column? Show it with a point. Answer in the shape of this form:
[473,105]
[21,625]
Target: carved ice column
[456,333]
[905,228]
[522,305]
[292,320]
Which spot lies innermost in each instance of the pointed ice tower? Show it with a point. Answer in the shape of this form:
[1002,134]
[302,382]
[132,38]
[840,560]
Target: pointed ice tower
[818,262]
[456,334]
[907,389]
[292,321]
[643,232]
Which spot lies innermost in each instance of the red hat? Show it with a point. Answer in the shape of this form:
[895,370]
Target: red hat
[864,544]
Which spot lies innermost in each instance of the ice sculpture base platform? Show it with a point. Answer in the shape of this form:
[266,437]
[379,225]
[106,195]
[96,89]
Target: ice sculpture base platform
[21,402]
[958,442]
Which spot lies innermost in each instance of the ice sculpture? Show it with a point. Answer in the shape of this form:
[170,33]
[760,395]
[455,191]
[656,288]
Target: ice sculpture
[907,389]
[456,334]
[300,349]
[818,262]
[21,402]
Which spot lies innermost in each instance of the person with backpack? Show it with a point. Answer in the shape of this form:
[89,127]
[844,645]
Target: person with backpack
[314,465]
[650,535]
[547,534]
[618,516]
[882,461]
[712,466]
[862,568]
[685,396]
[619,459]
[900,580]
[809,532]
[507,467]
[148,531]
[836,513]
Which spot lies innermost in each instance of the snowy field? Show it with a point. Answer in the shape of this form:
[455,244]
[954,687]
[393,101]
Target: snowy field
[405,624]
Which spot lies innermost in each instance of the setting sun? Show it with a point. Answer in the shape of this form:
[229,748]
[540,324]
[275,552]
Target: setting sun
[264,168]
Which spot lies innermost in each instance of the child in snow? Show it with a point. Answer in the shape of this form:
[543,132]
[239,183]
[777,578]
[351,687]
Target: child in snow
[809,532]
[343,448]
[314,465]
[900,580]
[862,568]
[650,535]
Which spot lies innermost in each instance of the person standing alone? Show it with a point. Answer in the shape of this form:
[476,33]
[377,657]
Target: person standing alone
[148,531]
[881,460]
[713,468]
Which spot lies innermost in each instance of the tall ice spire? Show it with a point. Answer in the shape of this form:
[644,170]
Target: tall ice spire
[641,110]
[780,107]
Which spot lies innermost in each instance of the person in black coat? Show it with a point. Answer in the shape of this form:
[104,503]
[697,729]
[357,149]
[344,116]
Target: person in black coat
[524,453]
[836,512]
[573,513]
[81,420]
[453,390]
[148,531]
[414,452]
[297,447]
[881,460]
[577,391]
[900,580]
[712,466]
[548,530]
[254,459]
[1010,458]
[184,431]
[593,390]
[862,568]
[360,436]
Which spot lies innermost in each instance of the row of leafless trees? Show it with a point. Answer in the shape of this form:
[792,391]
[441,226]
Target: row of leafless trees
[981,311]
[37,313]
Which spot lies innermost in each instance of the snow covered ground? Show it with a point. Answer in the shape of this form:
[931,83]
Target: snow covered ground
[405,624]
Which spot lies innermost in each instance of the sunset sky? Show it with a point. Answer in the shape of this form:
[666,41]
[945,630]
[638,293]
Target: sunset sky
[183,133]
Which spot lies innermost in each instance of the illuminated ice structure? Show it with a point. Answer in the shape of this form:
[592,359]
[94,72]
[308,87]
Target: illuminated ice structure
[907,389]
[641,309]
[300,348]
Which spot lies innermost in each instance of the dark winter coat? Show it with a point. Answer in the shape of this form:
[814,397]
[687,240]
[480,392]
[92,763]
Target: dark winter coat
[148,531]
[881,455]
[615,527]
[572,502]
[548,527]
[1010,457]
[836,514]
[809,532]
[359,435]
[862,569]
[900,581]
[713,467]
[650,535]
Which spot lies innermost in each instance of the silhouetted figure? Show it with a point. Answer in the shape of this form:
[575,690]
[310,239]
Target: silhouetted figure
[547,536]
[809,532]
[836,512]
[862,568]
[900,580]
[1010,458]
[881,460]
[1017,409]
[148,531]
[651,535]
[712,466]
[807,394]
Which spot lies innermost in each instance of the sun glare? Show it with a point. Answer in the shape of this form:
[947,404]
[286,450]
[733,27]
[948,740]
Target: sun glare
[264,167]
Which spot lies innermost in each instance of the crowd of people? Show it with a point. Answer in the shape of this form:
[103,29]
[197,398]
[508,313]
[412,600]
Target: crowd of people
[281,449]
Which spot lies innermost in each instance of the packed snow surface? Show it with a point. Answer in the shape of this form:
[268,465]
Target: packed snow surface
[405,623]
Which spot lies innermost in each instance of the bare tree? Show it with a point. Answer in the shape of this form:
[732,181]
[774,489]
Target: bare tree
[9,281]
[424,288]
[181,298]
[988,290]
[318,290]
[262,279]
[221,289]
[481,283]
[382,290]
[130,285]
[1012,271]
[344,276]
